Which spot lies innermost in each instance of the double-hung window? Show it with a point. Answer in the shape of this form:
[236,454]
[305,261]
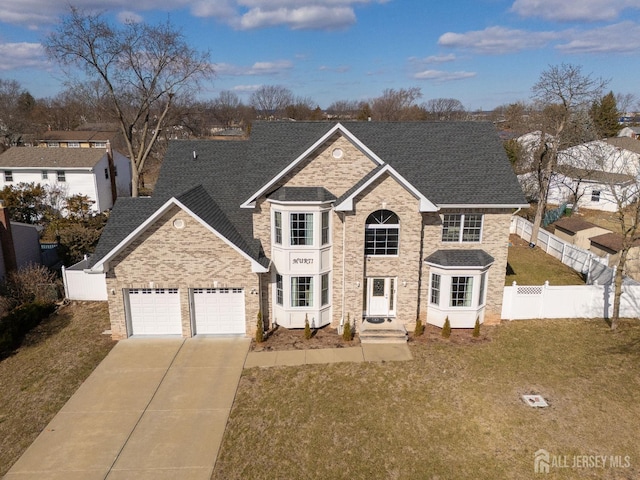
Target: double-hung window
[325,228]
[302,291]
[435,289]
[8,176]
[277,220]
[325,290]
[301,226]
[61,176]
[279,290]
[461,291]
[462,227]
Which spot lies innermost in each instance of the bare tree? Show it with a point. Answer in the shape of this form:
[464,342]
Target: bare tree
[396,105]
[270,101]
[562,92]
[615,164]
[445,109]
[226,108]
[625,101]
[143,68]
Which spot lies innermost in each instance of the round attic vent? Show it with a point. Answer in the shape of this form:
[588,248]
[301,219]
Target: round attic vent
[337,153]
[179,223]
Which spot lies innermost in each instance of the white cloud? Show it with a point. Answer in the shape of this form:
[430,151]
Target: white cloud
[573,11]
[338,69]
[299,18]
[243,14]
[258,68]
[623,37]
[440,76]
[497,40]
[127,16]
[21,55]
[246,88]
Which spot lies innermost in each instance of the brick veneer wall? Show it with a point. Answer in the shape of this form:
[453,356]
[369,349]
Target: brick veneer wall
[192,257]
[338,176]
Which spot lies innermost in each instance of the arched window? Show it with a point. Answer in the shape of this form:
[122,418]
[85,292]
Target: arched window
[382,233]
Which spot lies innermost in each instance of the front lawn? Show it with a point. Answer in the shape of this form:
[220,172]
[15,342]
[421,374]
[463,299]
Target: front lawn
[454,412]
[53,361]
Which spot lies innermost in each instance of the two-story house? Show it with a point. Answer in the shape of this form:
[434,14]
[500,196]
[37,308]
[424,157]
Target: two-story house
[100,174]
[315,221]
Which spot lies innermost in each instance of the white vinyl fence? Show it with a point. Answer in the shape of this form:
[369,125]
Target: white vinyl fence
[572,301]
[594,300]
[79,285]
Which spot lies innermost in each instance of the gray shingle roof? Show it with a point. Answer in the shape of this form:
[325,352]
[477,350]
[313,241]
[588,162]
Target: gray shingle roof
[460,258]
[53,158]
[302,194]
[449,163]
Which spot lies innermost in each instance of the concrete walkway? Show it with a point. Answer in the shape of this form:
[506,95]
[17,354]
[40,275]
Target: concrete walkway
[153,409]
[368,352]
[157,409]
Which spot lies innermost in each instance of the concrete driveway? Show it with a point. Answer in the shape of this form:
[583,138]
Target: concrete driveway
[153,409]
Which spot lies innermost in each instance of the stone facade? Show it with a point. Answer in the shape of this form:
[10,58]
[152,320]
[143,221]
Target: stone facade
[190,257]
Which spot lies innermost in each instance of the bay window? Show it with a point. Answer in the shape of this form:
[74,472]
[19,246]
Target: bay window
[302,291]
[301,226]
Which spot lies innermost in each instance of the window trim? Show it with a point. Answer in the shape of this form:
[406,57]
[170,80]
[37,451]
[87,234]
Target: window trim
[277,228]
[434,288]
[279,290]
[463,295]
[462,226]
[45,175]
[324,227]
[378,231]
[61,176]
[324,289]
[301,298]
[295,229]
[596,195]
[8,176]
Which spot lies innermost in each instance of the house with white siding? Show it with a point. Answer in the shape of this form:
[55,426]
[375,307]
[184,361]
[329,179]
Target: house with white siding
[101,174]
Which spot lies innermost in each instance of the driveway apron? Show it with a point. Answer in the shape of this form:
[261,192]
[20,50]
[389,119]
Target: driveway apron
[153,409]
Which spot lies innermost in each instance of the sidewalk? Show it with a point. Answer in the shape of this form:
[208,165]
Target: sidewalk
[368,352]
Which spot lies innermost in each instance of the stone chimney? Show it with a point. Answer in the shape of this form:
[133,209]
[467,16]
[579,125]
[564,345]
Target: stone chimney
[6,240]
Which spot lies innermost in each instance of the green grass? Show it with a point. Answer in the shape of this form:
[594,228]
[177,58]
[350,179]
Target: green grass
[532,266]
[37,380]
[454,412]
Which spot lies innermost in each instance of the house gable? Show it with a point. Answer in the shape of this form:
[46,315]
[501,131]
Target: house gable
[103,263]
[336,161]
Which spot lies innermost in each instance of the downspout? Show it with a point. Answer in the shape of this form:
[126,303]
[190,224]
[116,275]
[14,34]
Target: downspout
[344,261]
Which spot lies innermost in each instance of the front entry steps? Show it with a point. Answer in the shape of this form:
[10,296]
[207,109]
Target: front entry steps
[382,330]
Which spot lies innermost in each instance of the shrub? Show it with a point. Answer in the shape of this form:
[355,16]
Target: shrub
[476,328]
[15,326]
[259,329]
[32,283]
[419,330]
[347,334]
[446,329]
[307,328]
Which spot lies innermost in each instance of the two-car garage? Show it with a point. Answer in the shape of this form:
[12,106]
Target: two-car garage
[214,311]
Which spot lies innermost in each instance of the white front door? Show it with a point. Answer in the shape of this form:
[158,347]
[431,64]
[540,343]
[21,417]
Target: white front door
[381,296]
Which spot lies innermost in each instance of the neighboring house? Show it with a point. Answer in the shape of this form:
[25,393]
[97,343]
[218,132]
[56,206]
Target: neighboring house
[610,244]
[629,132]
[101,175]
[591,175]
[577,231]
[19,244]
[82,139]
[318,221]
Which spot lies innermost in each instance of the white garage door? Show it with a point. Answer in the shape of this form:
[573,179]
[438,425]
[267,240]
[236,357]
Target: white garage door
[155,311]
[219,311]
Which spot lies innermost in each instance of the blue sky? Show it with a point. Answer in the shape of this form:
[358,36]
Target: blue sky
[482,52]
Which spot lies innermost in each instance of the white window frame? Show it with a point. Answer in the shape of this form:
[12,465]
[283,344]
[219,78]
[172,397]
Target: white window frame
[596,195]
[388,228]
[8,176]
[277,227]
[61,176]
[301,298]
[309,230]
[73,145]
[461,291]
[462,226]
[434,290]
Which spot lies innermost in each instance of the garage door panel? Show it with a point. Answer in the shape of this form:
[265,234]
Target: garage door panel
[155,311]
[219,311]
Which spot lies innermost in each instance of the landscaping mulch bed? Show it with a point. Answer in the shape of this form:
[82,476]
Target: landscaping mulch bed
[293,339]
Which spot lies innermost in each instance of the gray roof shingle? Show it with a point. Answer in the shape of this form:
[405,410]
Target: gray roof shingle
[460,258]
[53,158]
[449,163]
